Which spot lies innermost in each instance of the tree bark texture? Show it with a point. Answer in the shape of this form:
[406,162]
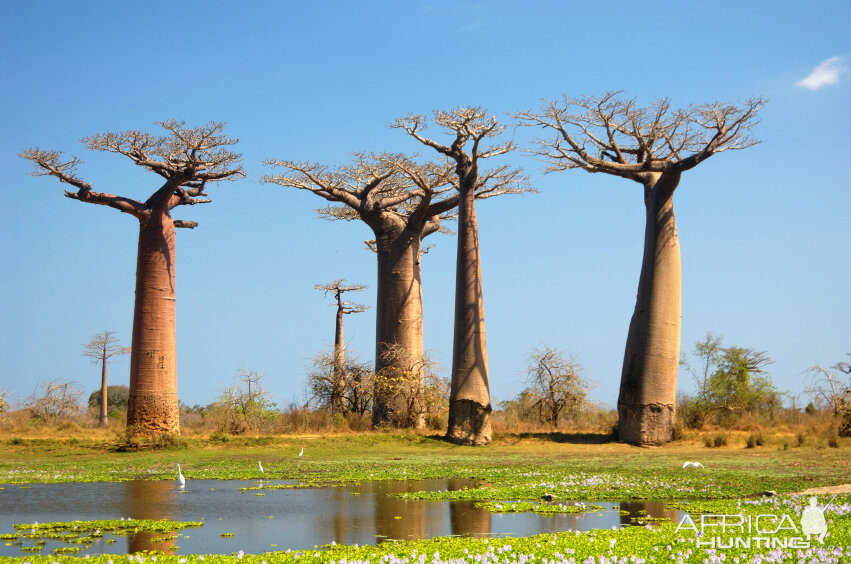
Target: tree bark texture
[153,405]
[469,399]
[339,362]
[399,307]
[104,416]
[646,406]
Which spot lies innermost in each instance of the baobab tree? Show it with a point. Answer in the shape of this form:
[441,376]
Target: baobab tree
[100,349]
[469,399]
[187,158]
[403,202]
[337,288]
[653,146]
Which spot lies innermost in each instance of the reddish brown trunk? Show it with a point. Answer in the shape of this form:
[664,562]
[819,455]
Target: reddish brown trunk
[646,406]
[469,400]
[339,362]
[153,403]
[398,310]
[104,421]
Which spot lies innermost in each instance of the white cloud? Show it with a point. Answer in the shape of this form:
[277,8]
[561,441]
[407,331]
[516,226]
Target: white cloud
[826,73]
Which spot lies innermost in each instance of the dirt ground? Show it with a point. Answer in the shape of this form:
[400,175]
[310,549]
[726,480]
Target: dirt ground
[843,488]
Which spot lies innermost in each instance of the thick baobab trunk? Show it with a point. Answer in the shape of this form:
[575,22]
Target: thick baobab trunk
[104,421]
[646,406]
[153,406]
[339,364]
[399,314]
[469,399]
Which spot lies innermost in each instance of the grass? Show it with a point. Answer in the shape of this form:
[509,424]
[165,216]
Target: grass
[518,469]
[735,470]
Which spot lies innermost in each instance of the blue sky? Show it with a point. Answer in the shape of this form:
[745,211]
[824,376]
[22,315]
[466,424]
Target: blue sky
[764,232]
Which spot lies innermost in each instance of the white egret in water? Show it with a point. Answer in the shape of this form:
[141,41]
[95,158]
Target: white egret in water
[688,465]
[180,479]
[302,451]
[260,465]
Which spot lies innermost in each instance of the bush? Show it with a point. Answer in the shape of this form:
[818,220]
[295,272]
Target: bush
[679,431]
[732,385]
[692,411]
[754,440]
[715,441]
[55,399]
[245,406]
[135,439]
[219,437]
[116,398]
[359,421]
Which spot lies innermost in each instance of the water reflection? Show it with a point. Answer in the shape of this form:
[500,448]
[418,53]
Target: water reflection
[631,511]
[397,518]
[150,500]
[296,518]
[466,519]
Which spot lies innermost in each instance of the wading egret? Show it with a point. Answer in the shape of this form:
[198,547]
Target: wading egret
[302,451]
[260,465]
[688,465]
[180,479]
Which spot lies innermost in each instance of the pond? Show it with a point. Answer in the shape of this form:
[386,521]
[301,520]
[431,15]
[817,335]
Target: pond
[279,519]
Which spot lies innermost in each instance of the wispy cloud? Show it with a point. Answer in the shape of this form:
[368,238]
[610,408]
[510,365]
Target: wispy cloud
[826,73]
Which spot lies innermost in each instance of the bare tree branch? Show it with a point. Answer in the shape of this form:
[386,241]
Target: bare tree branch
[470,126]
[187,158]
[610,134]
[337,288]
[372,184]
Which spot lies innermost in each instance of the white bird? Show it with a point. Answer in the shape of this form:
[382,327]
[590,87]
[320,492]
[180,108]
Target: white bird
[302,451]
[260,465]
[180,479]
[688,465]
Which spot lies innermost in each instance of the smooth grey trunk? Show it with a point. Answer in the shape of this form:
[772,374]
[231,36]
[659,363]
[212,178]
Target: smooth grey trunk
[398,310]
[104,420]
[647,402]
[469,399]
[339,361]
[152,405]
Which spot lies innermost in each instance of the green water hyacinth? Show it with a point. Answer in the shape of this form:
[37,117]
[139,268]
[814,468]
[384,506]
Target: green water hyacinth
[542,508]
[626,545]
[86,532]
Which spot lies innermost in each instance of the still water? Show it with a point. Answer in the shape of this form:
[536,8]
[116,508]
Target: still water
[364,513]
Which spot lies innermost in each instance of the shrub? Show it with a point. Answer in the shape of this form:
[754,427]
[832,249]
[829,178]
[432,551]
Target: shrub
[716,441]
[219,437]
[679,431]
[359,421]
[116,398]
[55,399]
[245,406]
[754,440]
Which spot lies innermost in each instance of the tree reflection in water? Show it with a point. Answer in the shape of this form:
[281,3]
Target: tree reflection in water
[150,500]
